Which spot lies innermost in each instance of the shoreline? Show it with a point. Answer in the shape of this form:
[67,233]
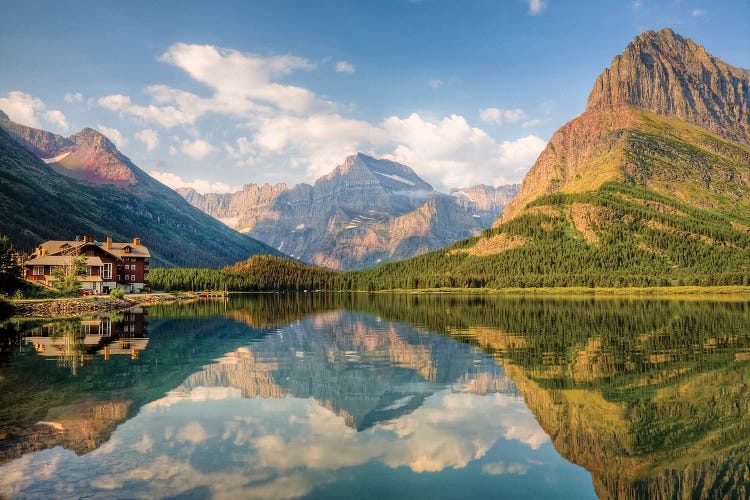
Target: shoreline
[73,307]
[724,292]
[720,290]
[740,293]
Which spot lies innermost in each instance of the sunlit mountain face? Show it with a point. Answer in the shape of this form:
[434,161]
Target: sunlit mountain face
[319,396]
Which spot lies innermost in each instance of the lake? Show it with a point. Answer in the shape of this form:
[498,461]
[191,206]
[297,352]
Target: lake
[381,396]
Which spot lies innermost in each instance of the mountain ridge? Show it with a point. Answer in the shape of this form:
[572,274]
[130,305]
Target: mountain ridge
[656,89]
[364,212]
[48,202]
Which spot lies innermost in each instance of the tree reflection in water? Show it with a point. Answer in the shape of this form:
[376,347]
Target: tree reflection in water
[649,396]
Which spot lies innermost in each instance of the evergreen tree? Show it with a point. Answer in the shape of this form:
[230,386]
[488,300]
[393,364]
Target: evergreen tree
[10,271]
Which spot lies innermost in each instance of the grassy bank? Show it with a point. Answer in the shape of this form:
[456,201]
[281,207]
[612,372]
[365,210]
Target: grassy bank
[698,292]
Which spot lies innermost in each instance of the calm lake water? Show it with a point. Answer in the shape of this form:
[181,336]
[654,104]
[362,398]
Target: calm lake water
[384,396]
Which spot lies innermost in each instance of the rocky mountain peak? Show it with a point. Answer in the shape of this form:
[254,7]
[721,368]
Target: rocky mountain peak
[673,76]
[89,137]
[392,176]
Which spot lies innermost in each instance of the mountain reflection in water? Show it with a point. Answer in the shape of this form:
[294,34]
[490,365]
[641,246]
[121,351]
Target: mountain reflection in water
[286,396]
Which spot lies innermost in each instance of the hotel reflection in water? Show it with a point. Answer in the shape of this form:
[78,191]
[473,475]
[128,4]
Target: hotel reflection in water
[73,344]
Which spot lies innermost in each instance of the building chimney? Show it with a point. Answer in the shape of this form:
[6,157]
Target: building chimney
[44,251]
[136,241]
[109,243]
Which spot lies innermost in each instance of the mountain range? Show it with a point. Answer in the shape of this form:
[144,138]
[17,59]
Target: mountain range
[365,212]
[649,186]
[53,187]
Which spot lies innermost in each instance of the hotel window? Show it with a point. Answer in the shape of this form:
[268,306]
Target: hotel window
[127,267]
[88,270]
[38,270]
[119,278]
[132,278]
[107,271]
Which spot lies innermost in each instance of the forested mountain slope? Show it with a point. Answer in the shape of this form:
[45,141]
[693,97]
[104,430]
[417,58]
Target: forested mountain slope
[38,202]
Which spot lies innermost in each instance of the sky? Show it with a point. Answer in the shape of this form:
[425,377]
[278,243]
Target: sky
[216,95]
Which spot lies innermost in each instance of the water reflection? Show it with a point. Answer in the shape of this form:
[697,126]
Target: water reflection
[331,396]
[74,343]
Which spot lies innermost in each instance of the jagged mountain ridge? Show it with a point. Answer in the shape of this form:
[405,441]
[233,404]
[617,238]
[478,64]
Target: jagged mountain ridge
[675,77]
[87,155]
[664,102]
[43,202]
[364,212]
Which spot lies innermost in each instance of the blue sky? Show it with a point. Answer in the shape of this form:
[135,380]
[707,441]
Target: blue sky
[215,96]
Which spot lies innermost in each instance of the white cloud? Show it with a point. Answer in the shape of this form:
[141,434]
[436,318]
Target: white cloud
[193,432]
[435,83]
[531,123]
[450,152]
[201,185]
[243,86]
[293,135]
[536,6]
[56,117]
[234,75]
[113,135]
[29,110]
[344,67]
[166,116]
[197,149]
[74,97]
[499,116]
[149,137]
[499,468]
[445,152]
[698,12]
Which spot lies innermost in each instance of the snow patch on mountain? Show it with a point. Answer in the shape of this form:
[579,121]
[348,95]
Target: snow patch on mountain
[56,159]
[395,178]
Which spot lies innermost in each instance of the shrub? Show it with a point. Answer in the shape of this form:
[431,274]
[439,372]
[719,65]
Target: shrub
[117,293]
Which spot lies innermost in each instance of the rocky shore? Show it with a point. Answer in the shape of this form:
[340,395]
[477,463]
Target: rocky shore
[78,307]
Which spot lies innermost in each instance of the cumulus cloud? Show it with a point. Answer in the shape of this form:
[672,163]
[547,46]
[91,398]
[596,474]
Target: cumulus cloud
[113,135]
[166,116]
[73,97]
[537,6]
[294,135]
[197,149]
[55,116]
[446,152]
[149,137]
[500,116]
[201,185]
[242,84]
[450,152]
[698,12]
[344,67]
[235,75]
[29,110]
